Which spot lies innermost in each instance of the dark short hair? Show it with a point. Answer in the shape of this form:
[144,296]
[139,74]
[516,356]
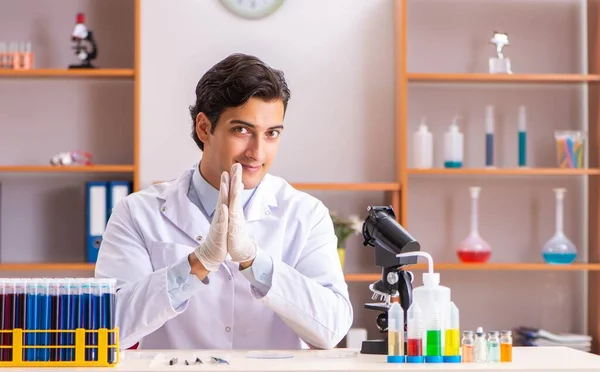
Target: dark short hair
[231,83]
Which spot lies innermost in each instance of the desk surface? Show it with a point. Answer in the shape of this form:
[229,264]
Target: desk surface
[555,359]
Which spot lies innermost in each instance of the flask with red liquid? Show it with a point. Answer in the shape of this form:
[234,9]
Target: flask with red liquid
[473,249]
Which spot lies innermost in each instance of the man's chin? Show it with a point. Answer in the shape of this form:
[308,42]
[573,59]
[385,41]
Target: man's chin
[250,181]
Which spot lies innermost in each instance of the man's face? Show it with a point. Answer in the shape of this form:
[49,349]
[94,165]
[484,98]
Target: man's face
[248,135]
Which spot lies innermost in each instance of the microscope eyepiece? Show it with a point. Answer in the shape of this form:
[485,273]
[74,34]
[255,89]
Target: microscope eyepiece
[381,229]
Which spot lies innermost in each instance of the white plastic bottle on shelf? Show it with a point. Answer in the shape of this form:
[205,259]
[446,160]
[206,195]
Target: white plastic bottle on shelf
[431,297]
[453,146]
[423,147]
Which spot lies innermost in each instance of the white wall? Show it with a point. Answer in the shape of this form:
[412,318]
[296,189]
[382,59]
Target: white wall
[337,56]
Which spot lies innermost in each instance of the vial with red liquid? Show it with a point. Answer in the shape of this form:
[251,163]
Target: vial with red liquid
[473,249]
[414,334]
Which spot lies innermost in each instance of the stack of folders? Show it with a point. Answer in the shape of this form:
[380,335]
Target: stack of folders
[527,336]
[101,198]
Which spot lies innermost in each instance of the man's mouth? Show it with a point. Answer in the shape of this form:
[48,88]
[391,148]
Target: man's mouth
[251,167]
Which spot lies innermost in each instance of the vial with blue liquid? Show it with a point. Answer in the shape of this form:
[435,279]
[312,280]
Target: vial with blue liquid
[559,249]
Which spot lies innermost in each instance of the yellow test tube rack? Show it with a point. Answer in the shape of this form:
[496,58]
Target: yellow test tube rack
[102,349]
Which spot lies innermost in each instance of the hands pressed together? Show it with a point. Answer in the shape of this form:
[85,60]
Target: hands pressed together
[227,232]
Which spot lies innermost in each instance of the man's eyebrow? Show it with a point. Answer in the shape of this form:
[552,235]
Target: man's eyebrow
[237,121]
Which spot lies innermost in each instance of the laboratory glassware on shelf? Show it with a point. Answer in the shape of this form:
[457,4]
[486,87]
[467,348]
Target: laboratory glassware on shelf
[473,249]
[559,249]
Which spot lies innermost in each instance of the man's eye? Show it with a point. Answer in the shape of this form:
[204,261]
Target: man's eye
[273,133]
[240,130]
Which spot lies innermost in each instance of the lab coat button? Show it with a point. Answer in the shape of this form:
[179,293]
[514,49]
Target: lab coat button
[164,209]
[227,329]
[267,212]
[199,238]
[179,280]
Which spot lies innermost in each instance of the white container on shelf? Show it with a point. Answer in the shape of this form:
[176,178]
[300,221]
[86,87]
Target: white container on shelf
[423,147]
[453,146]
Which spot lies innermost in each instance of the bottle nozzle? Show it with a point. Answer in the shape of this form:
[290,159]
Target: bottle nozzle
[422,254]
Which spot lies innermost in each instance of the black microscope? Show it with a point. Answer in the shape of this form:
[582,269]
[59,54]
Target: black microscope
[382,231]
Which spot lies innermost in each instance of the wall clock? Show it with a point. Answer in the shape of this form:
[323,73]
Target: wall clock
[252,9]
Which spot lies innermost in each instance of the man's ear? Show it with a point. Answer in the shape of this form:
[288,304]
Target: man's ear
[202,127]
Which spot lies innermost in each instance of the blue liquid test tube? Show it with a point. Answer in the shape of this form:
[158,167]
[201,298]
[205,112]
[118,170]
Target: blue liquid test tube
[44,311]
[54,292]
[31,318]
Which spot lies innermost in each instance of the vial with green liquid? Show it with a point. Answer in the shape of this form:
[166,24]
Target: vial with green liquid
[434,338]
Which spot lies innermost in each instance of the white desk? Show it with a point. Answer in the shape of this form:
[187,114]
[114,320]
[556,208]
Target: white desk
[554,359]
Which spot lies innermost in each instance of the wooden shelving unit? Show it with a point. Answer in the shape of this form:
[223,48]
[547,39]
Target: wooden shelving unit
[348,186]
[67,169]
[83,113]
[405,173]
[504,172]
[66,73]
[513,78]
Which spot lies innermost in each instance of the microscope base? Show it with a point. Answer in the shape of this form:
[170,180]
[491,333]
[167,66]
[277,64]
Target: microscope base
[379,347]
[82,66]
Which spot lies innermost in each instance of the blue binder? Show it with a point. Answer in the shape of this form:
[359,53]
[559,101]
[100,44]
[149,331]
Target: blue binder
[96,206]
[117,190]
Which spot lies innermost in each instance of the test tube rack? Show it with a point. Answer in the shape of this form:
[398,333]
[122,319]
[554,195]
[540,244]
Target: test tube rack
[98,354]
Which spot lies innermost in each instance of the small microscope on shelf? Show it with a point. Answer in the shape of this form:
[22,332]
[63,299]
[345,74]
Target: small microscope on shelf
[85,45]
[382,231]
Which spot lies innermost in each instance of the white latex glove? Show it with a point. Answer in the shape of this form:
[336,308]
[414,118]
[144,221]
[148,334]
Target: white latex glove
[213,250]
[241,246]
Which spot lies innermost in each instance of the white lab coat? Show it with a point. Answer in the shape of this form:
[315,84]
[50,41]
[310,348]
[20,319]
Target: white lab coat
[308,301]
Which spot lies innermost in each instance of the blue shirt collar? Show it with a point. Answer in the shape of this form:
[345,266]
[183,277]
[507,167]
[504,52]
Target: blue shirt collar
[209,196]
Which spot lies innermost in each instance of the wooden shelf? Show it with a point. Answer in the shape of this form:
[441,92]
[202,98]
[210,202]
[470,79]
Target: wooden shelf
[348,186]
[60,73]
[49,266]
[515,78]
[358,277]
[505,171]
[66,169]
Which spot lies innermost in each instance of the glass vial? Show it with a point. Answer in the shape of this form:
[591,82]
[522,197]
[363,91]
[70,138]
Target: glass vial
[506,344]
[467,345]
[493,346]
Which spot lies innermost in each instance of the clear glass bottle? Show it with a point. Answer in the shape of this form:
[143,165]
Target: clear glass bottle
[493,347]
[559,249]
[506,344]
[467,344]
[473,248]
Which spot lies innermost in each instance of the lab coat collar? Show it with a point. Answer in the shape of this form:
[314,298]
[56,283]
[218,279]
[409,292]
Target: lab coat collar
[178,208]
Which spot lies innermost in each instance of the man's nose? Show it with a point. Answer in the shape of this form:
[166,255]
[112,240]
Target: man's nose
[256,149]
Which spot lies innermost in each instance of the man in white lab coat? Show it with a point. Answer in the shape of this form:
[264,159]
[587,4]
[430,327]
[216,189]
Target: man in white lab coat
[228,256]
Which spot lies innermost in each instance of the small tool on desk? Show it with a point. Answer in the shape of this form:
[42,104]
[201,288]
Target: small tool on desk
[173,361]
[219,360]
[198,361]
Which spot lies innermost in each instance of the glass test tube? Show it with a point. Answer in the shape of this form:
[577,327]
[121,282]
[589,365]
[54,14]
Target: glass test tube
[44,318]
[434,338]
[395,334]
[3,319]
[414,334]
[493,346]
[506,344]
[452,336]
[468,341]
